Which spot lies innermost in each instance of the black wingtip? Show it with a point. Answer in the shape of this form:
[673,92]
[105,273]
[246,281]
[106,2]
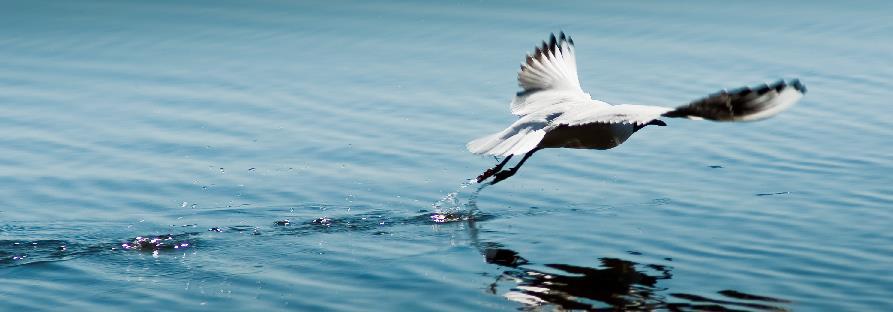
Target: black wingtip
[742,104]
[798,86]
[763,89]
[779,85]
[551,46]
[565,38]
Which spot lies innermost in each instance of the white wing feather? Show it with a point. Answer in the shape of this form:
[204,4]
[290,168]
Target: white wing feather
[548,77]
[624,113]
[519,138]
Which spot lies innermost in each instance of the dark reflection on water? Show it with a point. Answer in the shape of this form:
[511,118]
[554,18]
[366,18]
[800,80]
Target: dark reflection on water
[613,284]
[748,302]
[616,282]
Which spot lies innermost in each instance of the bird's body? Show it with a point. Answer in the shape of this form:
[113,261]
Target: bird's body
[589,136]
[554,111]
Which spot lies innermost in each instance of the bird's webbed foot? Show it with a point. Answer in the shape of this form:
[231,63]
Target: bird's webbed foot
[505,174]
[486,174]
[489,172]
[502,175]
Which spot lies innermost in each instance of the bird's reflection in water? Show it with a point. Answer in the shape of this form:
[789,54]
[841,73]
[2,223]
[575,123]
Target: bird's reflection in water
[613,285]
[616,284]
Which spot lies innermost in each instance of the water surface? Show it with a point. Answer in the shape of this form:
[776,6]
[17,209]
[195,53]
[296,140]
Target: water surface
[299,149]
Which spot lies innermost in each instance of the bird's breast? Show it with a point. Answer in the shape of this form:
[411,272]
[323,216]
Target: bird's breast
[589,136]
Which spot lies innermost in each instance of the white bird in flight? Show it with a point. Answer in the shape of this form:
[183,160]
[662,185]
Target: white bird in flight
[554,112]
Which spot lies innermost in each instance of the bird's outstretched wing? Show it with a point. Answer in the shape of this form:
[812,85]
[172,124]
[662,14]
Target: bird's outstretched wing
[742,104]
[519,138]
[623,113]
[548,77]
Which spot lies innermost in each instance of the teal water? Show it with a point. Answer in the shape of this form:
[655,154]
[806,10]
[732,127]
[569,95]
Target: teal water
[296,152]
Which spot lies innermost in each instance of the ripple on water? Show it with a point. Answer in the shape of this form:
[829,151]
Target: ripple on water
[15,252]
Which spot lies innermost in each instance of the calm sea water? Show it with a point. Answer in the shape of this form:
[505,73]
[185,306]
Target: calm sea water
[294,153]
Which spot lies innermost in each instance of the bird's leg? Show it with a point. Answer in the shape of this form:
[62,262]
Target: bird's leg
[504,174]
[491,171]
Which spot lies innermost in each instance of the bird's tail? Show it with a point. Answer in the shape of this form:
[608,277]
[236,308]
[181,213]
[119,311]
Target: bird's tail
[512,141]
[483,144]
[744,104]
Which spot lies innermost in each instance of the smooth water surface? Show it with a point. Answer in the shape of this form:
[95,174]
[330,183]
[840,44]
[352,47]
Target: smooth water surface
[207,155]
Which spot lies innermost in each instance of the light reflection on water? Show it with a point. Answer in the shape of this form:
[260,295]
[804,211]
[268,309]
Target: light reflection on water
[298,148]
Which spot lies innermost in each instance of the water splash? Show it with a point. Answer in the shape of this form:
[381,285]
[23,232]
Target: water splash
[450,208]
[162,242]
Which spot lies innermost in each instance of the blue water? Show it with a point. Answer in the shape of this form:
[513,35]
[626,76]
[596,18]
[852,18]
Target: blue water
[297,151]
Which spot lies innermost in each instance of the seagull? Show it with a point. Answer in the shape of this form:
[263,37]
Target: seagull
[554,112]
